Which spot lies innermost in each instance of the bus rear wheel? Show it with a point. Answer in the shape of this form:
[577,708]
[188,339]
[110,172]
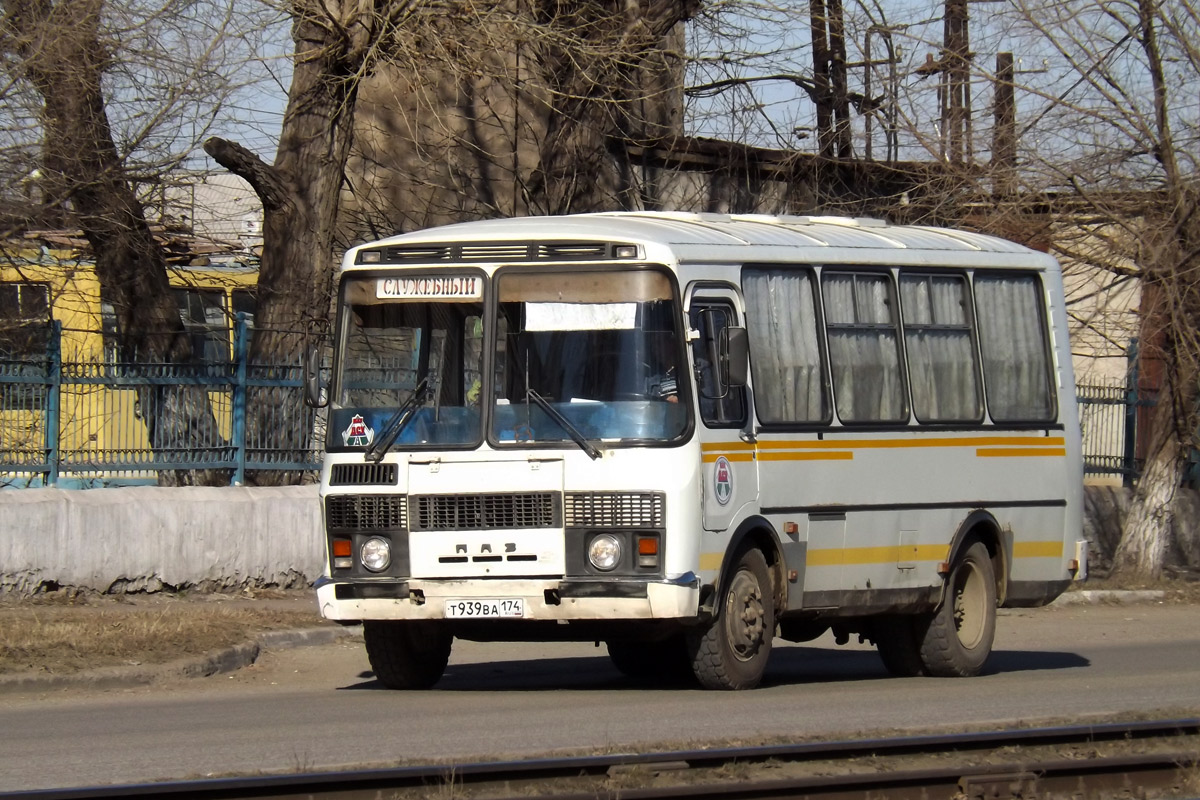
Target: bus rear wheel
[731,652]
[407,655]
[958,637]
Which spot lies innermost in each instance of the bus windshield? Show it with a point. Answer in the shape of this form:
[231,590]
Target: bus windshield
[396,334]
[602,348]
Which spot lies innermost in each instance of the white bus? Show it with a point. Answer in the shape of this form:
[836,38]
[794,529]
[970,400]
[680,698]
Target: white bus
[685,435]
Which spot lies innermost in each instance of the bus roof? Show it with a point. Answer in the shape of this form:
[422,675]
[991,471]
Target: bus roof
[697,237]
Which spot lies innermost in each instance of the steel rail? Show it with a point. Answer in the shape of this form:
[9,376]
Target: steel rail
[1022,777]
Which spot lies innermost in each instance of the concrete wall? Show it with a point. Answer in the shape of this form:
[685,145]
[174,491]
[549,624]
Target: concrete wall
[147,538]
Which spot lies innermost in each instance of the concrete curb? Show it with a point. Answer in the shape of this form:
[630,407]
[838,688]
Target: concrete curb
[215,663]
[1109,596]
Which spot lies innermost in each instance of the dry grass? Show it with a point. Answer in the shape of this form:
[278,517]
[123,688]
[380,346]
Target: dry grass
[69,634]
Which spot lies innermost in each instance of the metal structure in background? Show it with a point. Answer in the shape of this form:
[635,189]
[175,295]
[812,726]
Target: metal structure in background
[82,424]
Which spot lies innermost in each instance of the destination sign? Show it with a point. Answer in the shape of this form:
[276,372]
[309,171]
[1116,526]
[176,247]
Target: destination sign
[448,287]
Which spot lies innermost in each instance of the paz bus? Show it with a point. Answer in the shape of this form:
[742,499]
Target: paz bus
[687,435]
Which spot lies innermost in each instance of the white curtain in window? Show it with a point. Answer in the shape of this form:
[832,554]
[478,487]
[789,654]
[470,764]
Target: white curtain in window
[864,355]
[784,346]
[1013,339]
[941,358]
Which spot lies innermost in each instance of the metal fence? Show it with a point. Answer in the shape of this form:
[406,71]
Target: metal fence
[1113,418]
[77,423]
[72,422]
[1108,420]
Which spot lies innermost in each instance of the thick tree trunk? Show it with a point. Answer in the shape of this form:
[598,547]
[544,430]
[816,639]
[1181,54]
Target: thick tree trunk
[1146,538]
[300,203]
[62,56]
[593,77]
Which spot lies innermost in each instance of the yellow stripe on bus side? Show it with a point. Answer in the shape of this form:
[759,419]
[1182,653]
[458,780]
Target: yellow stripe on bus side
[889,554]
[932,441]
[710,458]
[828,455]
[1020,452]
[1037,549]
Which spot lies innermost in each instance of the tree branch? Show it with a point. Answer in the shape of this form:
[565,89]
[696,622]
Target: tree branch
[266,181]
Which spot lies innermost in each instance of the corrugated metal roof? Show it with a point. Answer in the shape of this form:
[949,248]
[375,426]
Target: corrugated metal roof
[707,230]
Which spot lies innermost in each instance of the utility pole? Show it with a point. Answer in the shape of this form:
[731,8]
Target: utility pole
[1004,135]
[838,81]
[956,112]
[819,24]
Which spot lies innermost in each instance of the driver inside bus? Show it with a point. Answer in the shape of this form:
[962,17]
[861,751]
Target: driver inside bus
[663,382]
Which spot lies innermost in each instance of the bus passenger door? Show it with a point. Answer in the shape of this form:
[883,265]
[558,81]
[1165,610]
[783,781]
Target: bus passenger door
[728,472]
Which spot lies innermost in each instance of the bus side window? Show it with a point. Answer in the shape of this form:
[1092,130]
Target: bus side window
[727,410]
[1016,348]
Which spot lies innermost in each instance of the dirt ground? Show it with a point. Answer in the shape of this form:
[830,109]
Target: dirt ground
[65,632]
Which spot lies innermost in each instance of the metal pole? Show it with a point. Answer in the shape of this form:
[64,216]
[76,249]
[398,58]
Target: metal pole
[241,353]
[53,402]
[1131,407]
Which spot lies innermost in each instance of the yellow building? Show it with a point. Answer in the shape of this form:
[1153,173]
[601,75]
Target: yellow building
[43,287]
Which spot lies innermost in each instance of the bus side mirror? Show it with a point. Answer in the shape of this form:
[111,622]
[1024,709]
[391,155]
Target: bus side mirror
[313,394]
[735,357]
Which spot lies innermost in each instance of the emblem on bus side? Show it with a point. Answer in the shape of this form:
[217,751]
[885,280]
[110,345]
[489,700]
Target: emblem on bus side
[359,433]
[723,480]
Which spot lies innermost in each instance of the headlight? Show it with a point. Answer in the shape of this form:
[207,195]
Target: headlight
[376,554]
[605,552]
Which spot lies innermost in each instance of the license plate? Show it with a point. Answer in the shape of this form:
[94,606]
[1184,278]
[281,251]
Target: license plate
[475,608]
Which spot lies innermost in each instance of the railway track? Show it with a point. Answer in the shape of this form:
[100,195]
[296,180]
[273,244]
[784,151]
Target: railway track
[1111,760]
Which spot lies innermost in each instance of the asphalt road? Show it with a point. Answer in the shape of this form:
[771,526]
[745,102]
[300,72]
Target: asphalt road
[319,708]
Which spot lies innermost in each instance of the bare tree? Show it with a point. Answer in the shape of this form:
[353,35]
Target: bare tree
[60,53]
[512,108]
[1118,138]
[336,45]
[65,61]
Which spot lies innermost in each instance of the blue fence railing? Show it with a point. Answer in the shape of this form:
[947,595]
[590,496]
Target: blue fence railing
[79,423]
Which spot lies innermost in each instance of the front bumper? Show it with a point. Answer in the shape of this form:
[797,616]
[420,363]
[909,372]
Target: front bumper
[545,599]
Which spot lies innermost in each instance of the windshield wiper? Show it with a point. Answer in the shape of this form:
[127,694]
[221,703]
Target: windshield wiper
[399,421]
[565,424]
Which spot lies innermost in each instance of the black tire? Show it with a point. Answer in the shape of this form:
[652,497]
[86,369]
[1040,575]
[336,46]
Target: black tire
[958,638]
[661,662]
[407,655]
[731,651]
[899,644]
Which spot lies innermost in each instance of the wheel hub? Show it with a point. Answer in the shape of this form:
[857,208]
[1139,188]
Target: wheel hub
[969,611]
[745,616]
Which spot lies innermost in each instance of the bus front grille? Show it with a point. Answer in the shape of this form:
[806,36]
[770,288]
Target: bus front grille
[364,474]
[614,510]
[458,512]
[365,512]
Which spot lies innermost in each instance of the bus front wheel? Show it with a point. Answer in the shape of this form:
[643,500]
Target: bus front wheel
[407,655]
[731,652]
